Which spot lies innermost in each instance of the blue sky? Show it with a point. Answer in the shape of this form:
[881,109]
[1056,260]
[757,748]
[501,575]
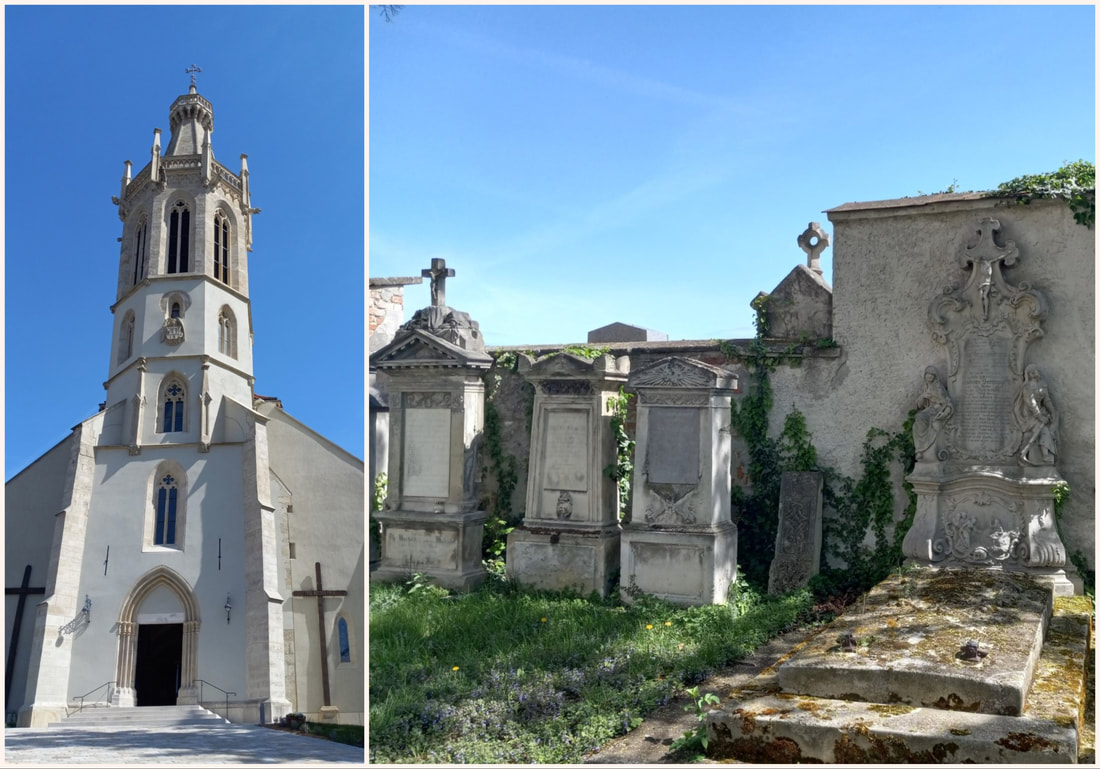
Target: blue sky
[84,89]
[654,165]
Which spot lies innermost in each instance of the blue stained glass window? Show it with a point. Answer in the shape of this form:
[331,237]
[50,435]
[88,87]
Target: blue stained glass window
[345,647]
[167,502]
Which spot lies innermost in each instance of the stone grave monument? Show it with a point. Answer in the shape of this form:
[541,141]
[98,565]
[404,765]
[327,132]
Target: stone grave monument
[986,427]
[798,538]
[975,652]
[681,544]
[431,523]
[569,539]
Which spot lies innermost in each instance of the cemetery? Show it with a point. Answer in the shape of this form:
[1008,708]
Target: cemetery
[911,447]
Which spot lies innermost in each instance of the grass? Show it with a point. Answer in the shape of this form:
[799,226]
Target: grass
[504,675]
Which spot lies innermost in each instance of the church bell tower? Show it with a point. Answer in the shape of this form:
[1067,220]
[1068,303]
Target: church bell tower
[182,340]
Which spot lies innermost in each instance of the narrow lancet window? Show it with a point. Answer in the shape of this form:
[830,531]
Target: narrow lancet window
[227,333]
[179,232]
[345,646]
[140,246]
[126,337]
[167,504]
[221,248]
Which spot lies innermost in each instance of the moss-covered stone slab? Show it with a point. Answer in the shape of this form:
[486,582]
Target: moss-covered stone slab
[764,723]
[904,643]
[792,729]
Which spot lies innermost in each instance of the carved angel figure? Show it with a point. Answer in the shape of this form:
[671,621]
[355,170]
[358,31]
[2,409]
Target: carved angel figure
[1035,414]
[934,408]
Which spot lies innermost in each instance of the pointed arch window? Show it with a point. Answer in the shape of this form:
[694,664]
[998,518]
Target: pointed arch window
[227,333]
[164,530]
[141,246]
[345,643]
[126,337]
[221,247]
[174,398]
[179,234]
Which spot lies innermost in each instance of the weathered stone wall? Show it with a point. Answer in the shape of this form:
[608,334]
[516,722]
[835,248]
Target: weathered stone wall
[890,260]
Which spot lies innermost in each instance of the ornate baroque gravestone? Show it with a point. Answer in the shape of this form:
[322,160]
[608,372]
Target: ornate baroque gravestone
[570,533]
[986,428]
[681,544]
[431,523]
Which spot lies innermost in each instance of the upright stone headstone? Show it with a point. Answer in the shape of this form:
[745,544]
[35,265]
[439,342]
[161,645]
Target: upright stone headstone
[986,431]
[681,544]
[798,539]
[431,523]
[569,539]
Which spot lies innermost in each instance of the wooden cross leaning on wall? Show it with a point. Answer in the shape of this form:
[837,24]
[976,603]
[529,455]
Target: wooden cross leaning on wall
[320,594]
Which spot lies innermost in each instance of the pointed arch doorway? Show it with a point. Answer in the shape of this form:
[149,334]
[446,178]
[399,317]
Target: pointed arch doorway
[158,630]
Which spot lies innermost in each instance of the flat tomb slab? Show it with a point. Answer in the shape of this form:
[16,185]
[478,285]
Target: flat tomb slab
[759,723]
[909,633]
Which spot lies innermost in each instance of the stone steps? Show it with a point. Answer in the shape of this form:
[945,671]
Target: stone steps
[145,718]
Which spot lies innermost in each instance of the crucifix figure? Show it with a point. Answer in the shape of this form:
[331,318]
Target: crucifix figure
[439,274]
[22,591]
[191,71]
[320,594]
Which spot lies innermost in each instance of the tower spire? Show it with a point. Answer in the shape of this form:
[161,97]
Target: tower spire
[191,71]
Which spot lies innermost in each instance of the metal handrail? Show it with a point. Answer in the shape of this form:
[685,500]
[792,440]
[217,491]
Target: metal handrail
[201,682]
[81,697]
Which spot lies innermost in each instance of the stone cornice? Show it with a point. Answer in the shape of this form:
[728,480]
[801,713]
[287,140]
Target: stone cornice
[151,279]
[204,358]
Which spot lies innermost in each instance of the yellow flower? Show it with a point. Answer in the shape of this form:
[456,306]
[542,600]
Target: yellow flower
[668,624]
[543,619]
[649,627]
[454,668]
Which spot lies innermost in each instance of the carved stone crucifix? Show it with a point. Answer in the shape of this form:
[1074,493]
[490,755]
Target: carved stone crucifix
[439,274]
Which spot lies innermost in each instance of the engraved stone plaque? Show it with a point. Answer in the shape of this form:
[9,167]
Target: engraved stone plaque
[672,451]
[986,393]
[427,462]
[565,447]
[430,548]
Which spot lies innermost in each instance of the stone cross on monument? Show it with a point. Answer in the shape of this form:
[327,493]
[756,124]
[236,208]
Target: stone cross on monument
[191,71]
[813,241]
[439,274]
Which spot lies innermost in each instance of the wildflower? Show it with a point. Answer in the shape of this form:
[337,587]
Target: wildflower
[454,669]
[668,623]
[649,627]
[543,619]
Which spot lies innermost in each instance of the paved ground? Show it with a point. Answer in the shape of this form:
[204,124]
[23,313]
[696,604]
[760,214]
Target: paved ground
[223,744]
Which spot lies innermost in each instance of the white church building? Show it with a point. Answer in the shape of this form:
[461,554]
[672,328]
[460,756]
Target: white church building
[191,538]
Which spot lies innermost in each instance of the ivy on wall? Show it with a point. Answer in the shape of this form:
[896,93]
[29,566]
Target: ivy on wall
[623,468]
[1075,183]
[504,466]
[856,507]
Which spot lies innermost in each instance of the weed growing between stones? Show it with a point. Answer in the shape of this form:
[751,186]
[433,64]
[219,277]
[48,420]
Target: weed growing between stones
[505,675]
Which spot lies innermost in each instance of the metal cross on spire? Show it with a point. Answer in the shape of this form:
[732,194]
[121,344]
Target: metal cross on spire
[191,71]
[439,274]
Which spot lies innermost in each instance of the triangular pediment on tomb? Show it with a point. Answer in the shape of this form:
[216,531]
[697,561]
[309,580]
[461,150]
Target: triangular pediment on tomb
[414,348]
[682,372]
[801,306]
[566,365]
